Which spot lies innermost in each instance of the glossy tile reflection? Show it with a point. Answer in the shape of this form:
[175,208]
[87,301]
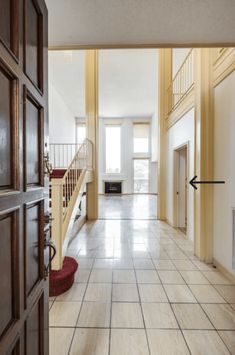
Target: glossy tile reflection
[128,207]
[140,290]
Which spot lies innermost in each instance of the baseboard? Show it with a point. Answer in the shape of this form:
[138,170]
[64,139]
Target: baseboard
[224,271]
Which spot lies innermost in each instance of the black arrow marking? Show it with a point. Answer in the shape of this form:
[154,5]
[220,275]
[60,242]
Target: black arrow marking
[193,182]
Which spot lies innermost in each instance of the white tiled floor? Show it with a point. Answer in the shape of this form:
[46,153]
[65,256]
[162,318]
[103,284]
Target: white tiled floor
[139,291]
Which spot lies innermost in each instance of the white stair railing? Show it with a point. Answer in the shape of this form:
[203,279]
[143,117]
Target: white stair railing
[182,82]
[61,154]
[66,194]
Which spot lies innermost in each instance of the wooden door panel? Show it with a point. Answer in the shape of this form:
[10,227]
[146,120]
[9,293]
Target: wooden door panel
[8,127]
[34,246]
[33,43]
[5,22]
[33,141]
[34,330]
[23,131]
[9,21]
[9,279]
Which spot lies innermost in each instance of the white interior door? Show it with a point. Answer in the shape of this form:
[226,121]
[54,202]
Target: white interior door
[182,188]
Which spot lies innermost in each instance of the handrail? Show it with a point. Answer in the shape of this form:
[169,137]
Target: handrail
[66,193]
[79,163]
[182,82]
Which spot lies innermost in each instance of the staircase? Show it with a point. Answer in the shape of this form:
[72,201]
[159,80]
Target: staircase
[67,185]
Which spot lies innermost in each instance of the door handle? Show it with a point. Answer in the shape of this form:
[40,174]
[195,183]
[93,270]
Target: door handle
[52,253]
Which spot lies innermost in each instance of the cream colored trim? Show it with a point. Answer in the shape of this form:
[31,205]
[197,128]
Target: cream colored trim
[204,136]
[148,45]
[186,105]
[224,271]
[92,128]
[223,65]
[165,77]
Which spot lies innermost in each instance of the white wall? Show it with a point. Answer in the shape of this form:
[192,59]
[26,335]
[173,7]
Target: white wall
[224,169]
[178,56]
[126,156]
[62,122]
[181,133]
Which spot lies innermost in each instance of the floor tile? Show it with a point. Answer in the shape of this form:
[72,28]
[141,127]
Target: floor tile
[159,315]
[100,276]
[145,264]
[94,314]
[103,264]
[177,255]
[229,339]
[216,278]
[227,292]
[125,293]
[166,342]
[124,276]
[64,314]
[128,342]
[205,342]
[76,293]
[159,255]
[191,316]
[60,340]
[222,316]
[85,263]
[164,265]
[90,341]
[179,293]
[194,278]
[184,265]
[152,293]
[126,315]
[123,263]
[82,275]
[171,277]
[147,276]
[206,294]
[202,266]
[98,292]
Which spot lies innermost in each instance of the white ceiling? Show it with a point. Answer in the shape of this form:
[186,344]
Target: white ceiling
[127,81]
[126,22]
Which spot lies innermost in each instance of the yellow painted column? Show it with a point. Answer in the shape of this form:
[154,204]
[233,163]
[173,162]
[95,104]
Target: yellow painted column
[92,125]
[165,77]
[204,133]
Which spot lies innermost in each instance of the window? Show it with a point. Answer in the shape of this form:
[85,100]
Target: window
[113,149]
[141,175]
[141,137]
[80,132]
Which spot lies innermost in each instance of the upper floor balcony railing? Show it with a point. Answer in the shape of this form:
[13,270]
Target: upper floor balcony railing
[182,82]
[61,154]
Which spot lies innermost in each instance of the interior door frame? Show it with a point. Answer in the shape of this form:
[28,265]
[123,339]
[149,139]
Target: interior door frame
[184,145]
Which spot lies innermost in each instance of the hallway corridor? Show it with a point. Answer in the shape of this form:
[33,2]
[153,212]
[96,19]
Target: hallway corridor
[139,290]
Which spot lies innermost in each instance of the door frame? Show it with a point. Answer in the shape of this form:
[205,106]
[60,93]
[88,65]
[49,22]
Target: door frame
[176,152]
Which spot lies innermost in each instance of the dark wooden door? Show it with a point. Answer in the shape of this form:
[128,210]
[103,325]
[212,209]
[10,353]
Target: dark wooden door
[23,187]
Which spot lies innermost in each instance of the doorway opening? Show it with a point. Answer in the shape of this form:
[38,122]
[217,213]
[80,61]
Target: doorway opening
[181,188]
[128,112]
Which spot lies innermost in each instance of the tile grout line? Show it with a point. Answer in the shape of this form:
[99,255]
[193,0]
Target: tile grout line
[174,313]
[142,312]
[75,328]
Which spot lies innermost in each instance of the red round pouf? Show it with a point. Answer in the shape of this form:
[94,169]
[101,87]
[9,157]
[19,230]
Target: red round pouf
[61,280]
